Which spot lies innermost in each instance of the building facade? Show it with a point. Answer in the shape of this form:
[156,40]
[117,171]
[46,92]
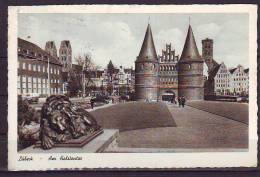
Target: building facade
[239,81]
[227,81]
[146,70]
[168,73]
[168,76]
[65,55]
[190,70]
[38,72]
[222,80]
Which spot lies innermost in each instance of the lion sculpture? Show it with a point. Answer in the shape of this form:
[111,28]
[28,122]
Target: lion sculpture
[61,121]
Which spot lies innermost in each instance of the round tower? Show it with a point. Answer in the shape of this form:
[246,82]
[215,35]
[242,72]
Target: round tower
[190,70]
[146,70]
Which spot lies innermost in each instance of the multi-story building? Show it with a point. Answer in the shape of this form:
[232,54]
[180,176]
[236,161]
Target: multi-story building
[168,73]
[233,81]
[222,80]
[50,48]
[65,55]
[38,72]
[239,80]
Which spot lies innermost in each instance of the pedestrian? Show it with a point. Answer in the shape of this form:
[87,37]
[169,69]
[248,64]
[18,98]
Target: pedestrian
[183,101]
[179,101]
[92,101]
[173,99]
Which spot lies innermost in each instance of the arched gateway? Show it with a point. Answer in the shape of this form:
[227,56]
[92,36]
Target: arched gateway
[168,95]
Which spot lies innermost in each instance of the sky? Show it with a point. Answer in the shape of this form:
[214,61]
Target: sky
[118,37]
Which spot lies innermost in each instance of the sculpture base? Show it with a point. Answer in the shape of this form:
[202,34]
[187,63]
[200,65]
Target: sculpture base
[98,144]
[79,142]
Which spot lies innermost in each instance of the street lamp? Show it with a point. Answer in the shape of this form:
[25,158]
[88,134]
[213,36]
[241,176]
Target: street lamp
[83,79]
[49,83]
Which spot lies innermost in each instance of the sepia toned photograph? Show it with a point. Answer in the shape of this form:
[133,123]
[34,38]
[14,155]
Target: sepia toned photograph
[151,84]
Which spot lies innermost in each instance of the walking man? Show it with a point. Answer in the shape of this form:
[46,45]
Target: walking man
[173,99]
[179,101]
[92,101]
[183,101]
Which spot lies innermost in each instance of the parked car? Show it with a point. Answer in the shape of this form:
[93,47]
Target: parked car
[242,99]
[31,98]
[101,98]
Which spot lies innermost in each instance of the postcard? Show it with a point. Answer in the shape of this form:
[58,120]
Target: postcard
[132,86]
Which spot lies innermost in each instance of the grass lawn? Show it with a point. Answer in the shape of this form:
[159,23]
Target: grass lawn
[231,110]
[134,115]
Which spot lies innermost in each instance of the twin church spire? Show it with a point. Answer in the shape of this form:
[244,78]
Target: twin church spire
[148,51]
[190,50]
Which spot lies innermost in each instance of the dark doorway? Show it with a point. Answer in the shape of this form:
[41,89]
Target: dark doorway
[168,95]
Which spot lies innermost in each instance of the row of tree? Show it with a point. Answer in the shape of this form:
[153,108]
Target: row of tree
[80,80]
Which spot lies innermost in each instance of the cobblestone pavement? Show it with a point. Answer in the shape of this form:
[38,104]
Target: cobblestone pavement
[195,129]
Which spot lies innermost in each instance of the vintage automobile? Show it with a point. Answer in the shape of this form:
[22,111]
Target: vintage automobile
[31,98]
[242,99]
[101,98]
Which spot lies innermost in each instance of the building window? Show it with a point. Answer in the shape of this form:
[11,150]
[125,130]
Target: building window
[39,85]
[24,67]
[39,68]
[29,84]
[29,66]
[34,85]
[43,68]
[18,85]
[34,67]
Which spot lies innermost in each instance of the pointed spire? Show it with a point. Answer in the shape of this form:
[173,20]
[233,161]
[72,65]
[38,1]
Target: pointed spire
[190,50]
[148,51]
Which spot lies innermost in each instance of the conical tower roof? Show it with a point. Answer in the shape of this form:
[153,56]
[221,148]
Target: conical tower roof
[148,51]
[190,50]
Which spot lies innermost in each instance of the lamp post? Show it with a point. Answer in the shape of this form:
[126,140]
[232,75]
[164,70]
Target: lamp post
[49,83]
[83,80]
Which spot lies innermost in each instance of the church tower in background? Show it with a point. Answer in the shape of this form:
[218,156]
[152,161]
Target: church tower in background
[50,48]
[65,55]
[146,70]
[207,53]
[190,70]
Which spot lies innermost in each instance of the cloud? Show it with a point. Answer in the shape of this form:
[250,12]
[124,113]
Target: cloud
[116,42]
[174,36]
[210,30]
[119,36]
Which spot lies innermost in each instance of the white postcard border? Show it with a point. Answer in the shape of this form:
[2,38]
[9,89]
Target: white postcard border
[132,160]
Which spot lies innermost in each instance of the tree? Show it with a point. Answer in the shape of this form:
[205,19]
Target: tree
[74,82]
[110,88]
[87,67]
[110,68]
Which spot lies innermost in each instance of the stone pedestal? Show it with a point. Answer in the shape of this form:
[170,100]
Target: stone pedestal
[98,144]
